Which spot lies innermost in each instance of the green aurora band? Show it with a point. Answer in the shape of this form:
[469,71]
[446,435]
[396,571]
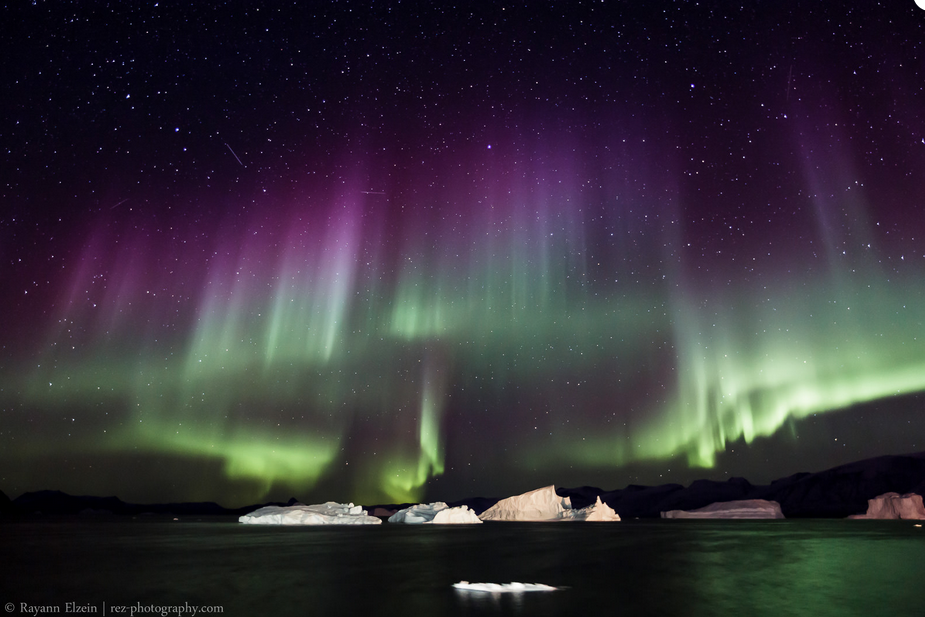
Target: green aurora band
[330,345]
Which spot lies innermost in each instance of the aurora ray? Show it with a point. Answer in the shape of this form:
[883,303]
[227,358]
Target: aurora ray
[586,259]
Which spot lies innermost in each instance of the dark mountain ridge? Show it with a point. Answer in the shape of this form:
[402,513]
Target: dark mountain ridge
[833,493]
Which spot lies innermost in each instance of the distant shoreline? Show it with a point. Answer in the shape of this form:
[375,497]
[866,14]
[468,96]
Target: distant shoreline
[834,493]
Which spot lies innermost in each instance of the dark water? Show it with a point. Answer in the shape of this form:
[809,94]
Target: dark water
[685,568]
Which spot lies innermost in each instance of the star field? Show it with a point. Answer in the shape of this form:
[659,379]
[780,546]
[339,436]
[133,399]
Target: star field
[384,251]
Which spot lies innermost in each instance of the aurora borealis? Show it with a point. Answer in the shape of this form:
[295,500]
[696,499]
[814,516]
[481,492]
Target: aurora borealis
[381,252]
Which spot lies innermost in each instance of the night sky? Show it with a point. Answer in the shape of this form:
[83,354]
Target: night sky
[385,252]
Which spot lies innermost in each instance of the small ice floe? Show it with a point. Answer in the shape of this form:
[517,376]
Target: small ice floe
[329,513]
[437,513]
[502,587]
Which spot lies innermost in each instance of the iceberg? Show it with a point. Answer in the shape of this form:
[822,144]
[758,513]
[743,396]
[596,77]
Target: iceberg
[437,513]
[894,506]
[330,513]
[460,515]
[743,508]
[598,512]
[541,504]
[502,587]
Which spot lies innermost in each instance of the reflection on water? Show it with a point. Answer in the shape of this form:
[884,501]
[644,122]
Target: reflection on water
[634,567]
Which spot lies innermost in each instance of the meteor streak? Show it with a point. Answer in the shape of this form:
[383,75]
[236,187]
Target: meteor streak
[234,155]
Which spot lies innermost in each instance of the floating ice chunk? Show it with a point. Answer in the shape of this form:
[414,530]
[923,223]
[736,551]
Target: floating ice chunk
[437,513]
[743,508]
[460,515]
[330,513]
[596,512]
[542,504]
[502,587]
[894,506]
[417,515]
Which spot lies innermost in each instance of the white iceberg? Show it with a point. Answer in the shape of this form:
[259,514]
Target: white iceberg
[330,513]
[541,504]
[502,587]
[597,512]
[460,515]
[743,508]
[894,506]
[437,513]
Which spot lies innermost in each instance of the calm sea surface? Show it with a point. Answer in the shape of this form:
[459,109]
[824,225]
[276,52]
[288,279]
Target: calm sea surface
[656,567]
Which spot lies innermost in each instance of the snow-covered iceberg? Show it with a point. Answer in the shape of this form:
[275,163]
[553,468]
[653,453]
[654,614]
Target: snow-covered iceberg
[437,513]
[894,506]
[541,504]
[743,508]
[596,512]
[330,513]
[502,587]
[460,515]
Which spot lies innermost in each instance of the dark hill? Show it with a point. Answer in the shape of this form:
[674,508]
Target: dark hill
[833,493]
